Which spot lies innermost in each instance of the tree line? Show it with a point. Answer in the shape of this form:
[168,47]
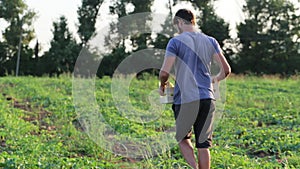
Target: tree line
[268,40]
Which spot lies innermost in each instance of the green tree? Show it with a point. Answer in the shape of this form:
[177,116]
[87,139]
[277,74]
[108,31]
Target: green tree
[162,39]
[141,41]
[269,38]
[115,44]
[118,7]
[19,19]
[63,52]
[3,51]
[116,39]
[87,16]
[10,9]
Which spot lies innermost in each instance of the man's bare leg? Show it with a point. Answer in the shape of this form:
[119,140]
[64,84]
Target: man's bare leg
[187,150]
[203,158]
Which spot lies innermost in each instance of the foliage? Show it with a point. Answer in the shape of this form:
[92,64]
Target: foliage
[39,126]
[87,16]
[117,37]
[269,38]
[267,43]
[19,19]
[64,50]
[10,9]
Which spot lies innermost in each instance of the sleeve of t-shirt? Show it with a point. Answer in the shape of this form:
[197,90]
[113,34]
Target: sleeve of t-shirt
[171,49]
[215,45]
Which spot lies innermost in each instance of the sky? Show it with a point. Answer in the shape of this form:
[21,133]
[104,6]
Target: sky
[49,11]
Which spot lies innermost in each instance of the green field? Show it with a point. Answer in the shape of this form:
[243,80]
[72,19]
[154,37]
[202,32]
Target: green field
[39,126]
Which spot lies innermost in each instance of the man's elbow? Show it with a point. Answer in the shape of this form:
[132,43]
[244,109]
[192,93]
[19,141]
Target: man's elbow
[227,71]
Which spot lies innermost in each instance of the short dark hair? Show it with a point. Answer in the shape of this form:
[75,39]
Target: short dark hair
[186,15]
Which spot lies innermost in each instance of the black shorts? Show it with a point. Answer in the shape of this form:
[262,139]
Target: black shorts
[199,115]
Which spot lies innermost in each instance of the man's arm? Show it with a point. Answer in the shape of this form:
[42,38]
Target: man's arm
[164,73]
[225,68]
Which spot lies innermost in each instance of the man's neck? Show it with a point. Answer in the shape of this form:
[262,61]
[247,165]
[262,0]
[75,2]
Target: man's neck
[189,28]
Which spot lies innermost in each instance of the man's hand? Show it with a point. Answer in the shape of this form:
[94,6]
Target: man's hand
[162,90]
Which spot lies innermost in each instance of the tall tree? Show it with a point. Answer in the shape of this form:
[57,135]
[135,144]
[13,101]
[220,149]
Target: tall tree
[115,41]
[117,37]
[10,9]
[141,41]
[3,51]
[120,8]
[269,37]
[87,16]
[63,52]
[162,39]
[19,19]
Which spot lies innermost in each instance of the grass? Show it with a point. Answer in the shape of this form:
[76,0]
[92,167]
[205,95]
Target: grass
[40,128]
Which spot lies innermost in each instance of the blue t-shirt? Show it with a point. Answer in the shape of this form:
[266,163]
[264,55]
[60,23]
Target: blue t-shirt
[194,53]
